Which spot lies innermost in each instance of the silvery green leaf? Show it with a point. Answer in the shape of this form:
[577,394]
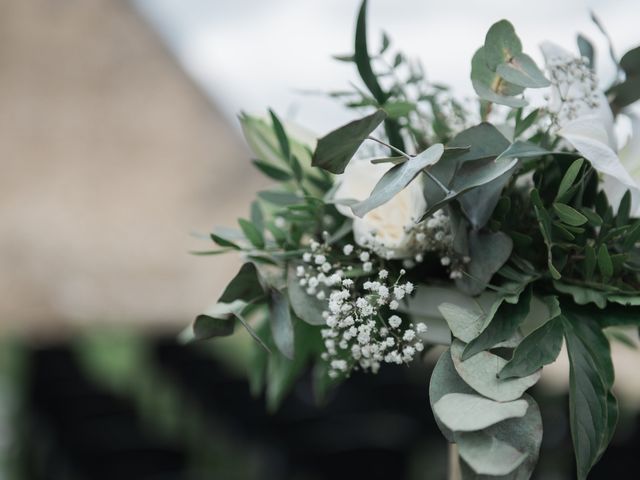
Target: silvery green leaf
[306,307]
[468,317]
[481,371]
[504,325]
[465,323]
[335,150]
[445,380]
[488,252]
[487,455]
[217,321]
[524,434]
[397,178]
[522,70]
[463,412]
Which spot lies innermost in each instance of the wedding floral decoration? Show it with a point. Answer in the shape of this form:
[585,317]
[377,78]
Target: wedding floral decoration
[512,223]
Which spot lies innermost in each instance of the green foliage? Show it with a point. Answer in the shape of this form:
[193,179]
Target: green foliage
[628,91]
[500,70]
[591,380]
[541,347]
[481,371]
[503,325]
[464,412]
[335,150]
[398,178]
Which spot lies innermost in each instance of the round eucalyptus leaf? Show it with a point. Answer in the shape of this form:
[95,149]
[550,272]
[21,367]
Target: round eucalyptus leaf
[462,412]
[524,434]
[445,380]
[486,455]
[481,370]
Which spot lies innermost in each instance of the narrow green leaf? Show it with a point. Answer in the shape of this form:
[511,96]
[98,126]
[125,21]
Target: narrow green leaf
[257,217]
[624,210]
[280,198]
[223,242]
[335,150]
[397,109]
[592,217]
[541,347]
[397,178]
[569,177]
[526,122]
[586,49]
[281,323]
[252,233]
[361,57]
[604,262]
[272,171]
[281,135]
[569,215]
[590,261]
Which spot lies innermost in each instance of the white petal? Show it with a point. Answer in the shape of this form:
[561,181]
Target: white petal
[589,138]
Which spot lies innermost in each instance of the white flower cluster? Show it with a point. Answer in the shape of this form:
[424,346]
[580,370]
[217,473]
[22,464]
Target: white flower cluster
[435,235]
[574,88]
[359,334]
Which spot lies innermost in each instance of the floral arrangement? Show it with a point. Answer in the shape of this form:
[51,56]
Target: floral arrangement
[491,226]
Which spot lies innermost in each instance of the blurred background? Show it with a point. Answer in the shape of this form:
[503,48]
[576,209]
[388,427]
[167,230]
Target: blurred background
[118,139]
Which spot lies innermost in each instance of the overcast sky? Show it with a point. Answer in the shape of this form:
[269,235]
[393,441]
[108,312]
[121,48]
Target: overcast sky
[252,54]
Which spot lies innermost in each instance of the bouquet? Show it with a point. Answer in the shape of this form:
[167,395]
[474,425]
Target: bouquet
[496,227]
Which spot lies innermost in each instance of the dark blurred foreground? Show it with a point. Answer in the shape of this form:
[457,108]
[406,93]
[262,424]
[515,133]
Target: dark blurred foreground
[125,407]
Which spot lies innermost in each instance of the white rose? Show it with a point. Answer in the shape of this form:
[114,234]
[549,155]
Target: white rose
[389,226]
[587,123]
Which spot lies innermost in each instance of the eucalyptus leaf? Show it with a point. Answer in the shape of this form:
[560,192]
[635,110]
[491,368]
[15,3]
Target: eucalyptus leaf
[481,371]
[503,325]
[488,252]
[487,455]
[218,321]
[397,178]
[522,70]
[335,150]
[445,380]
[463,412]
[524,434]
[244,286]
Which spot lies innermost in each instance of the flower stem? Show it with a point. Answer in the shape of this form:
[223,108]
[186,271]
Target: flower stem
[391,147]
[454,463]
